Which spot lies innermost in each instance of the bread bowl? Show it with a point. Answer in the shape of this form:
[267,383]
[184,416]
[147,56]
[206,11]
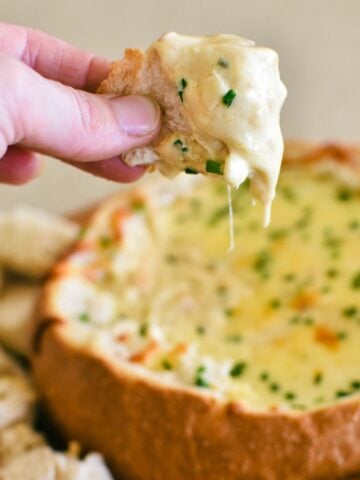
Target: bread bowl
[220,96]
[136,367]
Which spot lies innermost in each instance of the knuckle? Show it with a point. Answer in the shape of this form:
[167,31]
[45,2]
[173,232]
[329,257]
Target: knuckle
[91,126]
[89,113]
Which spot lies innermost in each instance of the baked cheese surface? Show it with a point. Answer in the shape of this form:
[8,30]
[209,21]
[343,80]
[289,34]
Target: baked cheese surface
[273,324]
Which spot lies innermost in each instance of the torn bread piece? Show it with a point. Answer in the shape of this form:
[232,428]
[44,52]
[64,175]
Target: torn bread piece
[221,98]
[24,453]
[42,463]
[17,309]
[32,240]
[17,395]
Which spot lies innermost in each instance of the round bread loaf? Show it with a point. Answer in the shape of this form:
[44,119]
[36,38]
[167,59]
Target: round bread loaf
[176,359]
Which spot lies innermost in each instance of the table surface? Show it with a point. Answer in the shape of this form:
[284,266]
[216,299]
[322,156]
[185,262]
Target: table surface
[318,43]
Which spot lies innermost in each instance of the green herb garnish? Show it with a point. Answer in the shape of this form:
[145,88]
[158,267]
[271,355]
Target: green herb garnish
[278,234]
[105,241]
[212,166]
[192,171]
[222,62]
[332,273]
[318,378]
[355,385]
[355,282]
[289,277]
[344,195]
[237,369]
[288,194]
[342,335]
[218,215]
[274,387]
[143,330]
[264,376]
[229,312]
[275,303]
[84,317]
[262,263]
[181,88]
[350,311]
[166,365]
[290,395]
[342,393]
[354,225]
[180,145]
[199,380]
[228,98]
[200,330]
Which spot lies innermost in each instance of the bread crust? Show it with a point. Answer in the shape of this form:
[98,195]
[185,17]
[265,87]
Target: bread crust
[152,431]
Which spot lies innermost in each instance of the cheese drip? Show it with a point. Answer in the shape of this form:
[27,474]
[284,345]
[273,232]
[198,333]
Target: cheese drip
[231,96]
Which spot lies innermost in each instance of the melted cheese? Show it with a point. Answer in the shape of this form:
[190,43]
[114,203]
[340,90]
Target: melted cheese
[273,324]
[231,96]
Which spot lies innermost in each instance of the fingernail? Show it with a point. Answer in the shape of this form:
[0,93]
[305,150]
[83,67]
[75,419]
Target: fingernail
[136,115]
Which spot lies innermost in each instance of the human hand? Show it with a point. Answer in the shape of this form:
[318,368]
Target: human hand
[45,107]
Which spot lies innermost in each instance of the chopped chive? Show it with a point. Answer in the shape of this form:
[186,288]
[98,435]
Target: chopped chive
[344,195]
[288,194]
[237,369]
[264,376]
[200,330]
[342,335]
[342,393]
[290,395]
[350,311]
[212,166]
[354,225]
[181,88]
[105,241]
[218,215]
[171,258]
[355,385]
[332,272]
[275,303]
[138,204]
[84,317]
[318,378]
[278,234]
[308,321]
[200,381]
[228,98]
[222,62]
[166,365]
[274,387]
[289,277]
[262,261]
[295,320]
[355,282]
[143,330]
[229,312]
[180,145]
[191,171]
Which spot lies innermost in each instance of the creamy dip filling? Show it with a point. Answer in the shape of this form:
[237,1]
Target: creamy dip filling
[231,96]
[273,324]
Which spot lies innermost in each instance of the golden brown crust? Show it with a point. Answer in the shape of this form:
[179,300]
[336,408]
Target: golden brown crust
[151,432]
[123,73]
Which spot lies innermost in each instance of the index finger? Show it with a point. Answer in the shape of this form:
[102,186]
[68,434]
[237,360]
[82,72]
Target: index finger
[53,58]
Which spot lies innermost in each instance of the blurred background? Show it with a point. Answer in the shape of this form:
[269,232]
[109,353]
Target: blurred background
[318,42]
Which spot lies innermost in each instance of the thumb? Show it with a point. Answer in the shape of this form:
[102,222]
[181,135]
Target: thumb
[55,119]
